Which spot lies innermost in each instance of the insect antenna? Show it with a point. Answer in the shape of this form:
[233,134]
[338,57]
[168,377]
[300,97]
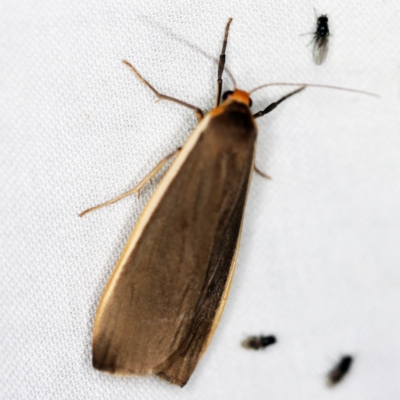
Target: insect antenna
[313,85]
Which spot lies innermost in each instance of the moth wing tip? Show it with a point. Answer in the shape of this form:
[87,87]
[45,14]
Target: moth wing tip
[171,379]
[99,365]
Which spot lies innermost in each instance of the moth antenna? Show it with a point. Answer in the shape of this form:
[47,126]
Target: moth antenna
[314,85]
[192,46]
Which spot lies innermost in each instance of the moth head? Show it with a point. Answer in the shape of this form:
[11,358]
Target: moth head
[238,95]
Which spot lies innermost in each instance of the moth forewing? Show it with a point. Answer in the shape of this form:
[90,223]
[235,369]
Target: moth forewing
[228,284]
[102,314]
[148,211]
[166,294]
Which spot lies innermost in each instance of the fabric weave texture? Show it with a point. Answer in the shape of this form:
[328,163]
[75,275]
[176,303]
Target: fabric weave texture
[319,260]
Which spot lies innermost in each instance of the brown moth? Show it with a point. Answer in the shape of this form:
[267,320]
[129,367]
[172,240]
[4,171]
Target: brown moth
[166,294]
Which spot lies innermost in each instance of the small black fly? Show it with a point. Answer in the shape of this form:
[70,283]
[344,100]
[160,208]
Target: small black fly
[321,40]
[258,342]
[339,371]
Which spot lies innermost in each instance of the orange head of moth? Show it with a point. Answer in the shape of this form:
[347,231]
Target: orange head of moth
[237,95]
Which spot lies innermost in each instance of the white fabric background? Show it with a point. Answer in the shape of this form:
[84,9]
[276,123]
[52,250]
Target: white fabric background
[320,254]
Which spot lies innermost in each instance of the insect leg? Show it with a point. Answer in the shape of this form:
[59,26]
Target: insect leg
[138,187]
[221,64]
[160,96]
[263,174]
[272,106]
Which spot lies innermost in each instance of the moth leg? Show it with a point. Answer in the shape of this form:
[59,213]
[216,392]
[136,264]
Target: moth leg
[221,64]
[160,96]
[272,106]
[138,187]
[263,174]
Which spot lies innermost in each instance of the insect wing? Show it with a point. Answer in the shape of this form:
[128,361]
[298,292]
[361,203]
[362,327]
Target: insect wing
[166,294]
[320,49]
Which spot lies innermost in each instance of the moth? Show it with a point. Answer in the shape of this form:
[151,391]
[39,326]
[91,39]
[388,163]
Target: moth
[165,297]
[339,370]
[258,342]
[321,40]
